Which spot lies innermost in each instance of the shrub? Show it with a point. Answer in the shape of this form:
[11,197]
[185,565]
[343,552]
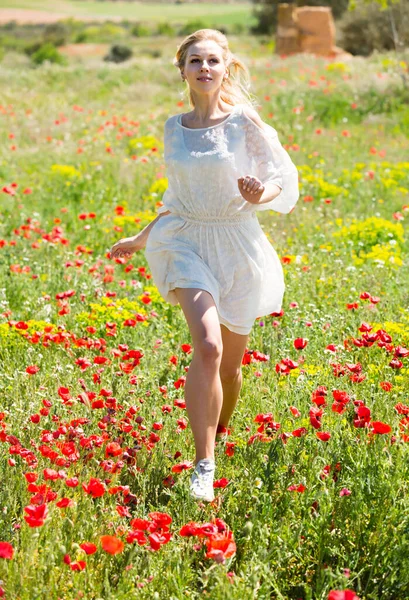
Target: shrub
[140,30]
[118,54]
[194,25]
[165,29]
[56,34]
[368,28]
[48,52]
[106,32]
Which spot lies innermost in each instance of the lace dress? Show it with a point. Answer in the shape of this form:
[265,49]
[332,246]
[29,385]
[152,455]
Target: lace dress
[212,239]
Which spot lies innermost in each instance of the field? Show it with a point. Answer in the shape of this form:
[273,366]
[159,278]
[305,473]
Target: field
[38,10]
[95,445]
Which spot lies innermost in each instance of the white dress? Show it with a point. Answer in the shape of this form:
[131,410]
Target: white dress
[212,239]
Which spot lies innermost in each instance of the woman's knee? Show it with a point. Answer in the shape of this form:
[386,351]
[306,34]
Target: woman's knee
[230,374]
[209,348]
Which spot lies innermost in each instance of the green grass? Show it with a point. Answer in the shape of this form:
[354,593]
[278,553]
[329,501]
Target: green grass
[220,13]
[87,139]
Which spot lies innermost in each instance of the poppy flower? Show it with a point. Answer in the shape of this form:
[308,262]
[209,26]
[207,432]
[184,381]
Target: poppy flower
[88,547]
[36,515]
[182,466]
[297,488]
[221,483]
[300,343]
[220,546]
[190,529]
[380,428]
[299,432]
[112,544]
[324,436]
[6,550]
[345,492]
[342,595]
[94,488]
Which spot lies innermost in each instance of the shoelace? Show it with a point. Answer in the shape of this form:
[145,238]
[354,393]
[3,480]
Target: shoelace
[205,472]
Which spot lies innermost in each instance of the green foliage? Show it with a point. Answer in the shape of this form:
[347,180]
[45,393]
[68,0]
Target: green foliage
[118,54]
[47,52]
[165,28]
[193,25]
[106,32]
[372,27]
[140,30]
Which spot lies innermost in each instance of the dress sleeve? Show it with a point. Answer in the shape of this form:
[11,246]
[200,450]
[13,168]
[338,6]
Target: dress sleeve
[169,197]
[273,164]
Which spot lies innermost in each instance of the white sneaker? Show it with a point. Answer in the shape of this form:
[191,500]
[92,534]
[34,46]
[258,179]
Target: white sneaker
[201,480]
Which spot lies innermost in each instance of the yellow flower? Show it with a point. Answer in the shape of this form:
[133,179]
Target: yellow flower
[66,170]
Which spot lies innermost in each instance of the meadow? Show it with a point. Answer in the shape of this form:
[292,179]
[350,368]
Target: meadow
[95,447]
[223,13]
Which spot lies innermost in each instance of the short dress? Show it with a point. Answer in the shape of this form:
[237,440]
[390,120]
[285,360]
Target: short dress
[212,238]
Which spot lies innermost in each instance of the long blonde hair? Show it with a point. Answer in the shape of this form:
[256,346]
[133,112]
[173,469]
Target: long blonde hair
[235,88]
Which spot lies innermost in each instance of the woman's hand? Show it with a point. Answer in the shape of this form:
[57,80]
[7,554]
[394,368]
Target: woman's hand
[127,246]
[251,188]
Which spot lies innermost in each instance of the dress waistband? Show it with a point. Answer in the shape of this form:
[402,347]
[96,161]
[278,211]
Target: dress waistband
[217,220]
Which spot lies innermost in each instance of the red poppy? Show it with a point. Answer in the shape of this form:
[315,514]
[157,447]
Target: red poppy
[380,428]
[294,411]
[112,544]
[299,432]
[65,502]
[36,515]
[342,595]
[297,488]
[6,550]
[221,483]
[315,417]
[190,529]
[324,436]
[95,487]
[220,546]
[182,466]
[300,343]
[32,369]
[88,547]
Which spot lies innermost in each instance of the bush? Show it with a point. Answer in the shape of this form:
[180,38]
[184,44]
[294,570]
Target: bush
[368,28]
[118,54]
[107,32]
[48,52]
[165,29]
[140,30]
[56,34]
[192,26]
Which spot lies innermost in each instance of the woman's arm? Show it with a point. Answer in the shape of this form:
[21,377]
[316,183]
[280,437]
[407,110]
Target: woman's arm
[144,233]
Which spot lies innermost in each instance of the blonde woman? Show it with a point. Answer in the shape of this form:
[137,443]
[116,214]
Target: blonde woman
[206,249]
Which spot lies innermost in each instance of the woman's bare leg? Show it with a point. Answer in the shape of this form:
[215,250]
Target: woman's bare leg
[234,346]
[203,388]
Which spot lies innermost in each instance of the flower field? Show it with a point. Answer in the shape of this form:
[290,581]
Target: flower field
[312,478]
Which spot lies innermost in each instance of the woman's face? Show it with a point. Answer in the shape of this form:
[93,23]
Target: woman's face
[204,67]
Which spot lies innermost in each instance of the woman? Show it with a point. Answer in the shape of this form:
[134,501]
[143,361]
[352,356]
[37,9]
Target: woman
[206,249]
